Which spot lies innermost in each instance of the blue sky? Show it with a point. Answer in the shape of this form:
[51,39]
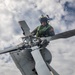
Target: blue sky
[12,11]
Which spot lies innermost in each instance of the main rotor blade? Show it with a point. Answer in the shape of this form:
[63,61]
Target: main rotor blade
[66,34]
[11,49]
[25,28]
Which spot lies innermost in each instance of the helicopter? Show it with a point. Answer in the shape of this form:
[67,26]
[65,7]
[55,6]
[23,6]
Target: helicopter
[28,56]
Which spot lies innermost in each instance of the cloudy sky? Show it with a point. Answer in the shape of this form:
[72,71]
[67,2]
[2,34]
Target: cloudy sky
[12,11]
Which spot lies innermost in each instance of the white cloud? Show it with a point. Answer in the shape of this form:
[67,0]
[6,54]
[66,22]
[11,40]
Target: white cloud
[11,11]
[63,55]
[8,68]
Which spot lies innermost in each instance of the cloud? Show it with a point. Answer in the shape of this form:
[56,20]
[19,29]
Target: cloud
[63,55]
[69,8]
[8,68]
[29,10]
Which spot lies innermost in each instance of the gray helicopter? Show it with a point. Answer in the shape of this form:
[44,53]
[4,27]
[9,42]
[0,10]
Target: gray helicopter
[28,56]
